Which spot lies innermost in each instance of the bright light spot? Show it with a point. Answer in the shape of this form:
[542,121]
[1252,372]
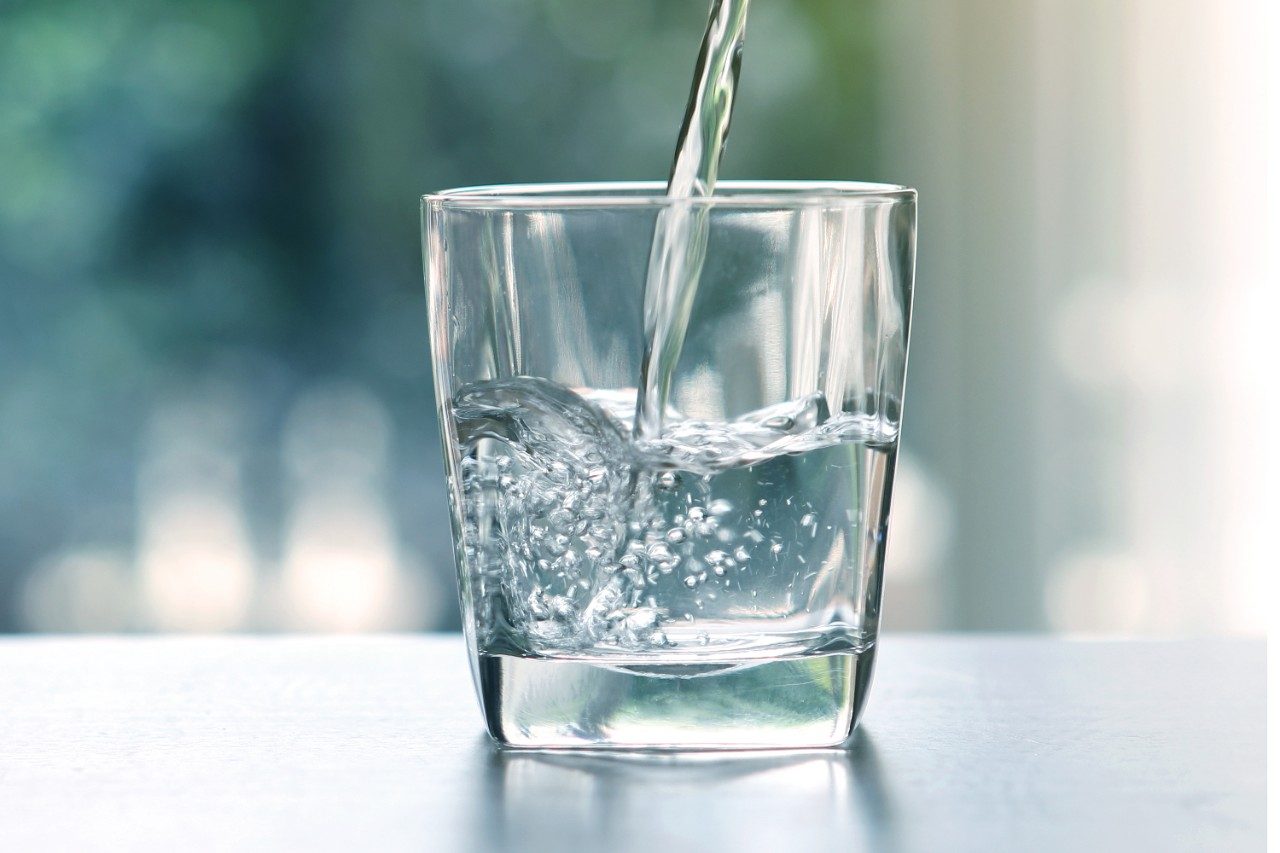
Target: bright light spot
[196,565]
[194,556]
[342,568]
[84,590]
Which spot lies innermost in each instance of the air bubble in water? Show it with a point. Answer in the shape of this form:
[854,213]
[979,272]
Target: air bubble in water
[576,539]
[659,551]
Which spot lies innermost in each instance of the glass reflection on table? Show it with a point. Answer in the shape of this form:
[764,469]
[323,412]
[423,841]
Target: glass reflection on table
[811,800]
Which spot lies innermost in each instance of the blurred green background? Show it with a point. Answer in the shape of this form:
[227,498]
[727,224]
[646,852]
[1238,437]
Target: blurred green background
[215,401]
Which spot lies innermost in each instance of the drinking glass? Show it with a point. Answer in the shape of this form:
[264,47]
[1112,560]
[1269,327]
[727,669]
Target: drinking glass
[714,582]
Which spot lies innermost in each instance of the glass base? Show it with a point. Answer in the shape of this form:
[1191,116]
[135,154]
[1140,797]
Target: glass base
[801,702]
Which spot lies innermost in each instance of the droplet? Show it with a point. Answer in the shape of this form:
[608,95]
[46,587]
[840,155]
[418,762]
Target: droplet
[720,506]
[806,519]
[740,554]
[691,581]
[676,535]
[776,547]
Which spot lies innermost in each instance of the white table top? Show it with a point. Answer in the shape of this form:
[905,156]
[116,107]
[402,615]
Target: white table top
[306,743]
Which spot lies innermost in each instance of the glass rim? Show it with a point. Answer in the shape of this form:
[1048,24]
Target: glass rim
[771,194]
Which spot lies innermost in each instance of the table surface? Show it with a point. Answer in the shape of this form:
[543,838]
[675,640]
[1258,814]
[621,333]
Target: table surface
[311,743]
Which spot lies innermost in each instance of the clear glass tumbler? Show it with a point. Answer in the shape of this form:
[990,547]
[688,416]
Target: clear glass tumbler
[713,582]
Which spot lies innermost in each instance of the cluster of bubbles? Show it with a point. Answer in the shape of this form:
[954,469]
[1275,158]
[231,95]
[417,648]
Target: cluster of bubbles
[579,539]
